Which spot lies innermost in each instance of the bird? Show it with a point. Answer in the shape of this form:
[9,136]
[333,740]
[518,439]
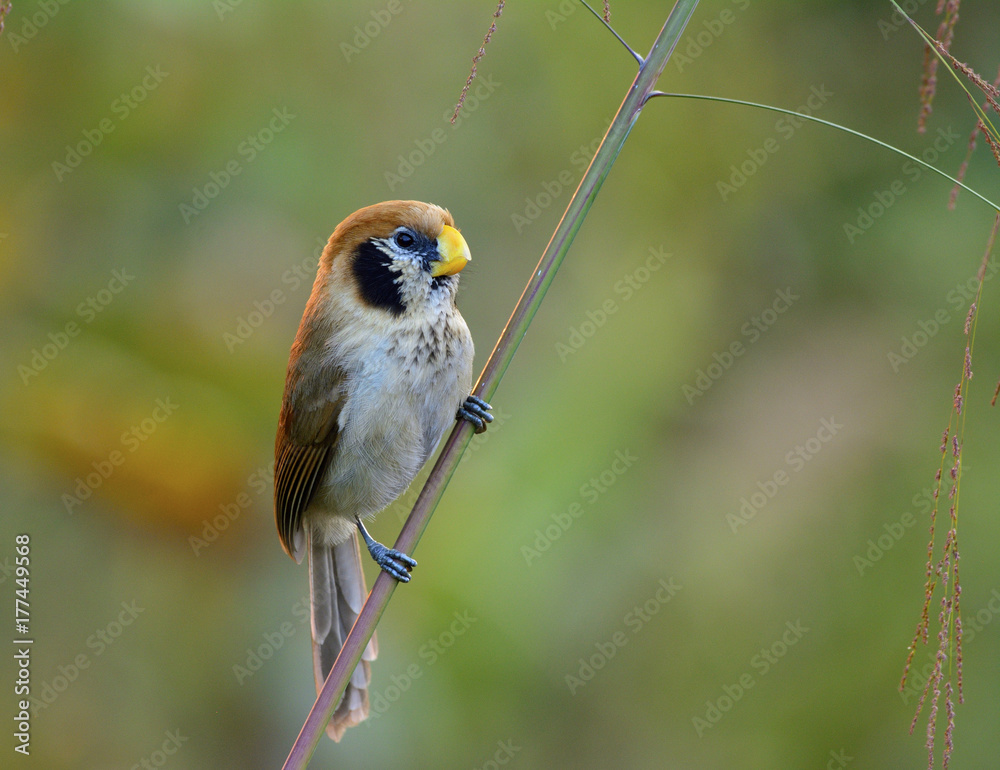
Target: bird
[380,367]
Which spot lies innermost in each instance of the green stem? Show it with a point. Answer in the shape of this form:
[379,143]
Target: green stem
[837,126]
[510,338]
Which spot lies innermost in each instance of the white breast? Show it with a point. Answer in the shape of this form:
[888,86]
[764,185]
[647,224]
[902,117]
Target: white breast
[404,387]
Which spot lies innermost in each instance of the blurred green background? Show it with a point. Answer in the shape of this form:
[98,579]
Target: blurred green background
[169,171]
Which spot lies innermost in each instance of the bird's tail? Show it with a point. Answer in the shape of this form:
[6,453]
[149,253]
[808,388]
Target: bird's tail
[337,591]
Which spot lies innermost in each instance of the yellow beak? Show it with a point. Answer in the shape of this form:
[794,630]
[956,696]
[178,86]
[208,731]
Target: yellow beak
[453,253]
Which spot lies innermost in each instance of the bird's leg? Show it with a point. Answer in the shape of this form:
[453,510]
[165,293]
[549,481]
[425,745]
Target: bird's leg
[476,411]
[396,563]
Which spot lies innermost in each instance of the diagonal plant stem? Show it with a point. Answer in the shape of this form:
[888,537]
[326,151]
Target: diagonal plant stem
[636,97]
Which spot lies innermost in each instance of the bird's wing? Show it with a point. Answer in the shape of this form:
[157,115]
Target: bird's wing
[307,438]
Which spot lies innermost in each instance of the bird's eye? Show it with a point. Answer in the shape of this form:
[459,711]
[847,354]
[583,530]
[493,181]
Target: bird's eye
[404,240]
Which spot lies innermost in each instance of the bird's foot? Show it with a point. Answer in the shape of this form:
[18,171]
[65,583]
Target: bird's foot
[476,411]
[396,563]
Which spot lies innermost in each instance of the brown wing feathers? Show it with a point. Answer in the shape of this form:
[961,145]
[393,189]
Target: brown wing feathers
[303,447]
[297,471]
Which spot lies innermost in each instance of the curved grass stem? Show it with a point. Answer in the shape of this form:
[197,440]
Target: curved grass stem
[837,126]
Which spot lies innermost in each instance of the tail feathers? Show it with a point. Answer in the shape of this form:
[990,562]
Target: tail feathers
[337,592]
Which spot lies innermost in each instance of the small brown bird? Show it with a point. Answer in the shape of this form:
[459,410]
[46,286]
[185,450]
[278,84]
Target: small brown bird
[381,365]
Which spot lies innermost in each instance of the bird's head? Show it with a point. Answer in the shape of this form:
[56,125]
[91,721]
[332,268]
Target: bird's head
[396,256]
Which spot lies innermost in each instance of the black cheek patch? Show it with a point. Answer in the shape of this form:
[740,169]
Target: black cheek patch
[376,280]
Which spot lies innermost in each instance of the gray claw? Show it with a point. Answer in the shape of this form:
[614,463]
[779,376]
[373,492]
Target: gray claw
[476,411]
[396,563]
